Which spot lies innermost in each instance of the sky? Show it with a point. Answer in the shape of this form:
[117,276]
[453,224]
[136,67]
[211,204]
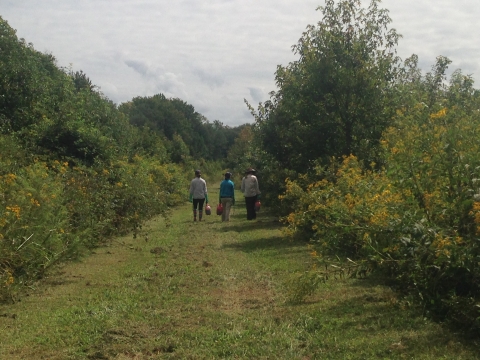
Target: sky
[213,54]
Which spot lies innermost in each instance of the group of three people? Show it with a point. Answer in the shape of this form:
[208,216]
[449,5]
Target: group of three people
[250,190]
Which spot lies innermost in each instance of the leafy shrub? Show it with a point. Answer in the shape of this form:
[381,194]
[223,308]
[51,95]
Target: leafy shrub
[358,213]
[50,212]
[34,224]
[367,215]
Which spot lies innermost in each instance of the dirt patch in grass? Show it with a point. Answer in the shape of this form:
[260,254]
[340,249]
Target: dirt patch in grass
[241,297]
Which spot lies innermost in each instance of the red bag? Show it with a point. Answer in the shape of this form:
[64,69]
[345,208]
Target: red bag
[208,210]
[219,209]
[257,205]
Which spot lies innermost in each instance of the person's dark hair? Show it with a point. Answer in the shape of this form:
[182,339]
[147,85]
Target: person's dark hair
[197,173]
[228,175]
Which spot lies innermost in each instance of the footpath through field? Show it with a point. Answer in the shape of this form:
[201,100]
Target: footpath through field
[212,290]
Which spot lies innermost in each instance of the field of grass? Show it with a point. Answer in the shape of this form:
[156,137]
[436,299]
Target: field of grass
[213,290]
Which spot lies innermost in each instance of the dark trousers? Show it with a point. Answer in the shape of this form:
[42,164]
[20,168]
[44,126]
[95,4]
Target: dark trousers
[198,203]
[250,204]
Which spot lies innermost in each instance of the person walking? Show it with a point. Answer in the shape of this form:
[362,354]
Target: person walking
[251,192]
[227,196]
[198,195]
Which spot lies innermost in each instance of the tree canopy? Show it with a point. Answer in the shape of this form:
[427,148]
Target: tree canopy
[334,100]
[174,120]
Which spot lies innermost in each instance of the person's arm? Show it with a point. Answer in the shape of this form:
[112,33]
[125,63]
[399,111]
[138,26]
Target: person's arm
[233,192]
[257,189]
[243,185]
[220,193]
[206,194]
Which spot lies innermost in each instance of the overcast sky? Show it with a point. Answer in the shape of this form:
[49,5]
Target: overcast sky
[213,54]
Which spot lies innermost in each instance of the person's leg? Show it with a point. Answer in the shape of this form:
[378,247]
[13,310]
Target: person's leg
[227,205]
[254,212]
[250,204]
[195,204]
[246,206]
[200,209]
[223,201]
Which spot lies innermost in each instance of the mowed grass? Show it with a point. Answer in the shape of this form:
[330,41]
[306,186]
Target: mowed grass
[213,290]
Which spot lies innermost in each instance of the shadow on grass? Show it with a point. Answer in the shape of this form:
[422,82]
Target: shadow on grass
[458,328]
[238,222]
[374,312]
[249,225]
[278,243]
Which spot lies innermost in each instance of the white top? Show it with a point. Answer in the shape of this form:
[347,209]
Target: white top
[250,186]
[198,188]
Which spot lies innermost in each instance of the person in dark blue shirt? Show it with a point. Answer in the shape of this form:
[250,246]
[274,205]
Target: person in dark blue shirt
[227,196]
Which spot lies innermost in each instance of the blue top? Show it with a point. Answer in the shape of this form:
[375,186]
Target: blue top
[227,189]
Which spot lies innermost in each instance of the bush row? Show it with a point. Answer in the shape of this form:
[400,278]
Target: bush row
[416,220]
[50,211]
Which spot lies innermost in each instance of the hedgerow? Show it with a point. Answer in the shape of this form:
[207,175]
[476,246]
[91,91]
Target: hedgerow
[416,221]
[51,211]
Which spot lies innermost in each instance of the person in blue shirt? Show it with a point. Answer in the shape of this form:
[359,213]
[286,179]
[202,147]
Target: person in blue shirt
[227,196]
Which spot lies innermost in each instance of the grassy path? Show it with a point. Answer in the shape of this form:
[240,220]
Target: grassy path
[212,290]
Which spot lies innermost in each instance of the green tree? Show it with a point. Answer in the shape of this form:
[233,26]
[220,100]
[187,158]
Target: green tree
[170,117]
[241,153]
[178,150]
[336,99]
[81,81]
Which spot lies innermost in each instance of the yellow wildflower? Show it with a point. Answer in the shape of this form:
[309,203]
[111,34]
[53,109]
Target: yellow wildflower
[14,209]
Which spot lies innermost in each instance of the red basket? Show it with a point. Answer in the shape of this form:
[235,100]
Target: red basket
[219,209]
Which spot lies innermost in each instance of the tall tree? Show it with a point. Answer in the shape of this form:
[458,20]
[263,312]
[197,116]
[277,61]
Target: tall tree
[334,100]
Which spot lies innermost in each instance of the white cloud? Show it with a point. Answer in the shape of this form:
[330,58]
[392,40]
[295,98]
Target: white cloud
[434,28]
[213,54]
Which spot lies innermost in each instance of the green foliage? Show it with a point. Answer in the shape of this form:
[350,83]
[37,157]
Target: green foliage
[350,211]
[50,212]
[335,99]
[179,152]
[34,224]
[74,171]
[26,77]
[302,285]
[244,154]
[81,81]
[417,220]
[212,172]
[179,123]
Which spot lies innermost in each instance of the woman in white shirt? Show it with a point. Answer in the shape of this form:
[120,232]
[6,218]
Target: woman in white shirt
[198,195]
[251,192]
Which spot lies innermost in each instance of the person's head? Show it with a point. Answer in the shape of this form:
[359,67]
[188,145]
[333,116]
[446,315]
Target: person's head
[250,171]
[198,173]
[228,175]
